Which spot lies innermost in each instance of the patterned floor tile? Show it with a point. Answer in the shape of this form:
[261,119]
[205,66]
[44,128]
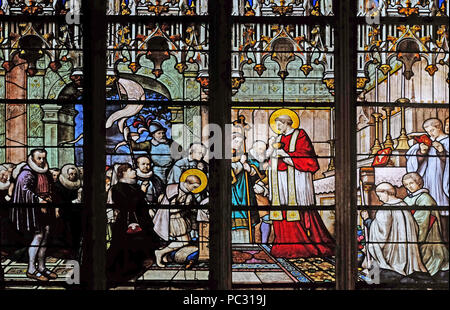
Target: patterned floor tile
[274,277]
[192,275]
[163,275]
[245,277]
[255,266]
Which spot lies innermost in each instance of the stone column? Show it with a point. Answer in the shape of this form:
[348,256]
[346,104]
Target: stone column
[58,127]
[16,114]
[66,155]
[50,120]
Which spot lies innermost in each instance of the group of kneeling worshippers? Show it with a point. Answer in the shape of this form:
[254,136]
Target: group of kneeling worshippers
[406,245]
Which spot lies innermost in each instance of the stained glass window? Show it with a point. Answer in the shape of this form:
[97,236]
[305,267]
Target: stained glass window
[402,162]
[330,168]
[158,7]
[405,8]
[38,7]
[168,62]
[41,61]
[157,84]
[283,168]
[282,8]
[403,55]
[41,145]
[282,141]
[147,140]
[402,146]
[287,63]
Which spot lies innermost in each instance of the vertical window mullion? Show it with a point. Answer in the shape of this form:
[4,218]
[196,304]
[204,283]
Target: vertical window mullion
[94,257]
[220,114]
[345,145]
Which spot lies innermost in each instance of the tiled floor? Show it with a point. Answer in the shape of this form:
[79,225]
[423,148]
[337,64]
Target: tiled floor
[15,274]
[174,274]
[252,264]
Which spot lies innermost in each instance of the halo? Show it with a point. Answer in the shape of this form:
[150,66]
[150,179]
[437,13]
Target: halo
[200,174]
[294,117]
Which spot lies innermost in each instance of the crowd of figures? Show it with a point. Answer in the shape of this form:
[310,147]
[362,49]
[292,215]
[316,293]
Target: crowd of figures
[146,226]
[278,173]
[406,246]
[29,229]
[412,245]
[157,205]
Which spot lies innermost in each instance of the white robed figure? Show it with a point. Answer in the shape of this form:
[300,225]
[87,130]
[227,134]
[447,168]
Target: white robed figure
[298,233]
[392,240]
[432,162]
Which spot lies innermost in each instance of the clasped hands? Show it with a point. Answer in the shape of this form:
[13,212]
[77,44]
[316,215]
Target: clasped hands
[424,149]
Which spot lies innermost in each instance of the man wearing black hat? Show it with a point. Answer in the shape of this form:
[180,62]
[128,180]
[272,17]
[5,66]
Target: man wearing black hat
[159,150]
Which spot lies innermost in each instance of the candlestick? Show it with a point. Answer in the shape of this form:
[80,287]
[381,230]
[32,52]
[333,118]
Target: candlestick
[388,142]
[403,138]
[376,145]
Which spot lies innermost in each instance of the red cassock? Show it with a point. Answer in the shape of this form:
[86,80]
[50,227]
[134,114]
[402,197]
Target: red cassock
[308,237]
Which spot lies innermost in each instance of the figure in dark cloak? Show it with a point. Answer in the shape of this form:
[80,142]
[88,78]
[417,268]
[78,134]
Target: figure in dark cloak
[133,239]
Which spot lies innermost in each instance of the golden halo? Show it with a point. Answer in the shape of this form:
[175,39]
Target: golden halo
[290,113]
[200,174]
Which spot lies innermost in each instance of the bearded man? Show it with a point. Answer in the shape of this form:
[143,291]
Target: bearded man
[158,148]
[150,183]
[34,185]
[195,159]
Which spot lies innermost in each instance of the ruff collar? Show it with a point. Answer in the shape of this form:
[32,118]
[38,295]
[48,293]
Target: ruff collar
[35,167]
[143,175]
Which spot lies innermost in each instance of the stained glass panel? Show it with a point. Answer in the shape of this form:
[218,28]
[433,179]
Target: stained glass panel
[41,156]
[158,7]
[283,157]
[39,7]
[403,8]
[413,240]
[40,61]
[157,62]
[407,63]
[283,8]
[284,63]
[158,155]
[403,160]
[41,144]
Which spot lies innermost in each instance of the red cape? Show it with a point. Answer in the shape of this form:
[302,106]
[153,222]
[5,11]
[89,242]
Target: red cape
[308,237]
[304,156]
[292,239]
